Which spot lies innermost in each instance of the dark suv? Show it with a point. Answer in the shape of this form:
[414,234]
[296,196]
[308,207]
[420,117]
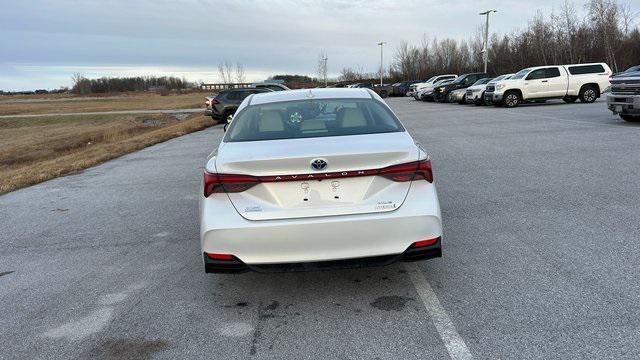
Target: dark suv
[441,92]
[224,105]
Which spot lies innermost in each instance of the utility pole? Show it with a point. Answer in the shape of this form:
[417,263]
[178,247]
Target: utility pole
[324,70]
[382,43]
[485,48]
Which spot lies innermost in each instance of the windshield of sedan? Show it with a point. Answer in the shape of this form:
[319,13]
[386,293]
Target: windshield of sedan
[520,74]
[311,118]
[430,79]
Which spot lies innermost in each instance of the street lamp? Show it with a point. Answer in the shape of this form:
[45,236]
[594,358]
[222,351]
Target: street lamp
[381,43]
[324,70]
[485,48]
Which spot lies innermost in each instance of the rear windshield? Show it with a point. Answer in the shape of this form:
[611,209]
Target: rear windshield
[586,69]
[311,118]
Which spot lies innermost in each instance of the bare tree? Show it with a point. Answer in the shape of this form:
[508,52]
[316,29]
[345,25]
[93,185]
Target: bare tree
[322,65]
[81,85]
[225,72]
[569,28]
[240,78]
[608,33]
[627,17]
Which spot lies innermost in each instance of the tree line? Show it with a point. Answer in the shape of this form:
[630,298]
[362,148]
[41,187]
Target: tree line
[607,33]
[83,85]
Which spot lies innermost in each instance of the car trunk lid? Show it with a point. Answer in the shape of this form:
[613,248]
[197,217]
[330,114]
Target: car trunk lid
[288,186]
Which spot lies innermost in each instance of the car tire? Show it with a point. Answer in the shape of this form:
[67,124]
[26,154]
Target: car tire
[511,99]
[630,118]
[463,100]
[570,99]
[383,94]
[588,94]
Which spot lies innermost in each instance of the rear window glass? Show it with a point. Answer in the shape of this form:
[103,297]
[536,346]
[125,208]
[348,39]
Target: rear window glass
[311,118]
[237,95]
[586,69]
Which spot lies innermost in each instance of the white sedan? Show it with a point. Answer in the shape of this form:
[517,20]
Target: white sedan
[316,179]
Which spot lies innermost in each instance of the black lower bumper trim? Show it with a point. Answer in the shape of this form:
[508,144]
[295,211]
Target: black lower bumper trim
[411,254]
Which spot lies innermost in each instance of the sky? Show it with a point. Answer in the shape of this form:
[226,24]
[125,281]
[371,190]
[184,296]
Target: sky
[43,43]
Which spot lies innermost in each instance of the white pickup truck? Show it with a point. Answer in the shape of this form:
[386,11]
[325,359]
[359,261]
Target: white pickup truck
[568,82]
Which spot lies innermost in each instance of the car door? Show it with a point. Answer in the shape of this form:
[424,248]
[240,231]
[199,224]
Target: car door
[556,81]
[536,84]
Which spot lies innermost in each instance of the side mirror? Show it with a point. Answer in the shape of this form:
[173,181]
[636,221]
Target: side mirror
[225,127]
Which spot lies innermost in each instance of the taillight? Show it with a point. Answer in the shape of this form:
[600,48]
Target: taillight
[428,242]
[418,170]
[221,183]
[230,183]
[224,257]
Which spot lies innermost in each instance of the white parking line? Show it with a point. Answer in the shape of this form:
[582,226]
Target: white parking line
[455,345]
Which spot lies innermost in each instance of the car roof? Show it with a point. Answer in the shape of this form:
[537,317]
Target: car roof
[306,94]
[243,89]
[604,65]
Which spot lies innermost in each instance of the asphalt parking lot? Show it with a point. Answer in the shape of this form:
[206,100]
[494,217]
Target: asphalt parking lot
[541,216]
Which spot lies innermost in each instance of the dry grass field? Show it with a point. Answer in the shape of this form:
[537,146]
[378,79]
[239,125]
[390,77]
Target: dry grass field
[63,103]
[40,148]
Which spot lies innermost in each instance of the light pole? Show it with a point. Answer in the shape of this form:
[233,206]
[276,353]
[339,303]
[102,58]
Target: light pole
[485,48]
[381,43]
[324,70]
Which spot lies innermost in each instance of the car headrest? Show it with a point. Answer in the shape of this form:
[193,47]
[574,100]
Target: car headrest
[351,117]
[271,120]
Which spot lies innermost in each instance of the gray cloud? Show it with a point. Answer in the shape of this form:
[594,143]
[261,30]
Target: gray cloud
[44,41]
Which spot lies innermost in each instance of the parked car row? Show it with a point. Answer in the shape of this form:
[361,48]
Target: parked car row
[585,82]
[384,90]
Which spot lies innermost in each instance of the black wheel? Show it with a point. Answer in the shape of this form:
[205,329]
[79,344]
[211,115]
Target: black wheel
[463,100]
[630,118]
[570,99]
[588,94]
[511,99]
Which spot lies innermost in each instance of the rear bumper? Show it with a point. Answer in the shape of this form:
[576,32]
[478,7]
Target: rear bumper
[319,239]
[623,104]
[410,254]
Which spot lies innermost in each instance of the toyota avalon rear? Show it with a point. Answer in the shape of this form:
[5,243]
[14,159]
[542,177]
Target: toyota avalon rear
[315,179]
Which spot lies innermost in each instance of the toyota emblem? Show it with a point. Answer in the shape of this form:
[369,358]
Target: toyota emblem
[318,164]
